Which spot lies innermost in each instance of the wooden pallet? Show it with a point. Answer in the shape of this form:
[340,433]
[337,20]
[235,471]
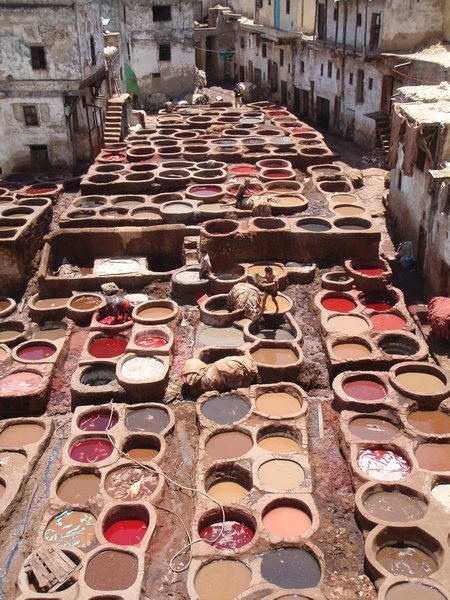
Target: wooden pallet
[50,568]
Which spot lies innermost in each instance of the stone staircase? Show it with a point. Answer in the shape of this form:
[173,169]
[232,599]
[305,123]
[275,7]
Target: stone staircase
[383,125]
[114,126]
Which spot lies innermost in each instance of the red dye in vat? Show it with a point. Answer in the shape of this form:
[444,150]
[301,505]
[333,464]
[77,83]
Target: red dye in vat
[387,322]
[107,347]
[277,175]
[205,191]
[370,271]
[36,351]
[243,170]
[151,342]
[91,451]
[97,422]
[114,157]
[364,389]
[335,304]
[234,535]
[39,191]
[127,532]
[378,306]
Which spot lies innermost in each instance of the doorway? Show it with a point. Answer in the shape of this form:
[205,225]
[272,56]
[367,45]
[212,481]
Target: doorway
[323,112]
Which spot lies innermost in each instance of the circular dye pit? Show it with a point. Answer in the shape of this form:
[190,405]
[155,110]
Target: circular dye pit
[281,475]
[387,322]
[364,389]
[50,333]
[227,492]
[97,421]
[284,305]
[71,528]
[369,271]
[225,409]
[50,303]
[229,444]
[126,532]
[147,420]
[418,382]
[91,450]
[7,335]
[433,457]
[131,483]
[276,357]
[413,591]
[441,493]
[316,226]
[222,580]
[16,436]
[79,488]
[291,568]
[205,191]
[36,351]
[98,376]
[107,347]
[372,429]
[11,462]
[278,404]
[277,334]
[287,521]
[351,351]
[149,341]
[346,324]
[111,570]
[223,337]
[279,444]
[406,561]
[85,302]
[394,506]
[155,313]
[379,302]
[430,421]
[142,368]
[338,304]
[383,465]
[143,454]
[233,536]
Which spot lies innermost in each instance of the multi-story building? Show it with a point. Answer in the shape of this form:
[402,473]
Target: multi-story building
[52,83]
[419,194]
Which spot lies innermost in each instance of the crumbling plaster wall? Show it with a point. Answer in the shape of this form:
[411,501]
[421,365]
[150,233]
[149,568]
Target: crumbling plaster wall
[52,132]
[414,207]
[89,24]
[407,24]
[176,76]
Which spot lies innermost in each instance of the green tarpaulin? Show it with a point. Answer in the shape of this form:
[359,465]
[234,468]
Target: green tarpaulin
[131,84]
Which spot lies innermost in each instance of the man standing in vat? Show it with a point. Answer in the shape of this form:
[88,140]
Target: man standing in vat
[238,91]
[269,285]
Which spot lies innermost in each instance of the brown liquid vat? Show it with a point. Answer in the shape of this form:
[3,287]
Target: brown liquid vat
[380,426]
[281,439]
[109,569]
[145,447]
[228,482]
[277,362]
[281,400]
[155,312]
[418,589]
[384,538]
[427,384]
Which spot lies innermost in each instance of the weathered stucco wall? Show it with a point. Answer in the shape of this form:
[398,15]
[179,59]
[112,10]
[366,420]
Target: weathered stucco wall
[51,132]
[176,76]
[89,25]
[407,24]
[423,218]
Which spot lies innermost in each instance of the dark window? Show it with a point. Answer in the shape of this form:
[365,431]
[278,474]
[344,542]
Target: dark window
[39,158]
[162,13]
[335,13]
[350,79]
[270,2]
[321,21]
[302,66]
[281,58]
[360,86]
[330,68]
[321,70]
[399,182]
[338,74]
[242,41]
[375,29]
[38,60]
[128,51]
[164,52]
[93,56]
[420,163]
[242,73]
[358,20]
[264,50]
[30,115]
[288,7]
[156,75]
[370,83]
[258,78]
[124,14]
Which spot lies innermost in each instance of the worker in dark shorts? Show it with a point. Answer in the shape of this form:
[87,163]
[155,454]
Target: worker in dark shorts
[269,286]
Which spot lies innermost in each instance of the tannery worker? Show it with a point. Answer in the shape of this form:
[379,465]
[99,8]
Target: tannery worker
[269,286]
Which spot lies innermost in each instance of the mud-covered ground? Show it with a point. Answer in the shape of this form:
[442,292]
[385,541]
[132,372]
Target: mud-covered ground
[338,536]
